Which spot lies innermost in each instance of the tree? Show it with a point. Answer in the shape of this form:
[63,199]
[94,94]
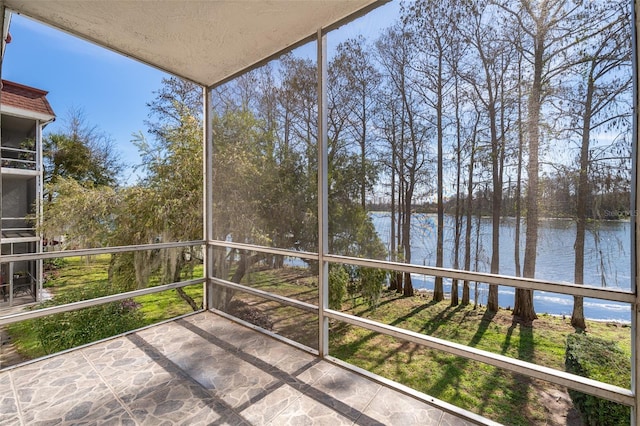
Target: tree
[436,35]
[409,144]
[494,56]
[361,81]
[603,74]
[90,224]
[546,41]
[80,152]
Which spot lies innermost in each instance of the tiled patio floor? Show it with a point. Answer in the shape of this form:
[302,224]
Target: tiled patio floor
[202,369]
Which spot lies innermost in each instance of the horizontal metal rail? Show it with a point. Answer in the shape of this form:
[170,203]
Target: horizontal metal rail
[18,160]
[615,295]
[582,384]
[11,149]
[263,249]
[264,294]
[97,251]
[38,313]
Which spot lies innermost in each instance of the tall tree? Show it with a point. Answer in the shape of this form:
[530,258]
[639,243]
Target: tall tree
[395,56]
[494,56]
[434,25]
[362,80]
[600,101]
[549,32]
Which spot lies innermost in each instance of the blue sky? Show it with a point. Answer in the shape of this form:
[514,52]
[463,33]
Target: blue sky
[113,90]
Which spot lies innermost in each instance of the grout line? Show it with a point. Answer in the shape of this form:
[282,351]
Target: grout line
[15,395]
[364,409]
[113,392]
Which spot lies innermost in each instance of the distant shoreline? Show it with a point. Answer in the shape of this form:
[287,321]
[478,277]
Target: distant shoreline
[546,218]
[427,292]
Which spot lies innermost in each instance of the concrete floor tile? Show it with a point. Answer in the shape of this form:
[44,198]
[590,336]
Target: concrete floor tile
[392,408]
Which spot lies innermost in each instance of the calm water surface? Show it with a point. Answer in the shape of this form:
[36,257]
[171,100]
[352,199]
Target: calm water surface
[607,258]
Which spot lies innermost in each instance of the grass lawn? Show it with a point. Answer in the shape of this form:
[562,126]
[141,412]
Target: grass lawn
[494,393]
[80,273]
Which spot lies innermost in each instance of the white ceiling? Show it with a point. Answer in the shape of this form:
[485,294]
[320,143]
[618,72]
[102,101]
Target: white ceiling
[206,41]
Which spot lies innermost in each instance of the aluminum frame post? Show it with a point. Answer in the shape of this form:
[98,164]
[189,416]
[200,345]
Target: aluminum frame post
[3,10]
[323,194]
[207,202]
[635,205]
[39,210]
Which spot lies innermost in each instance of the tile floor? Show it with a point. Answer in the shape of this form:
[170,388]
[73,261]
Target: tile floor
[202,369]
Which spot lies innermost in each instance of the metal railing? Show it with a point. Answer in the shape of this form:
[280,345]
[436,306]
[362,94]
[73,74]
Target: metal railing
[559,377]
[16,224]
[38,313]
[18,158]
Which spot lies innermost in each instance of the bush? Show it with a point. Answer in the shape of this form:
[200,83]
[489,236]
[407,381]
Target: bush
[371,284]
[52,269]
[338,280]
[601,360]
[70,329]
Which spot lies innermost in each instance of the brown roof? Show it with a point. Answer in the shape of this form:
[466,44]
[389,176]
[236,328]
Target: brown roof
[25,97]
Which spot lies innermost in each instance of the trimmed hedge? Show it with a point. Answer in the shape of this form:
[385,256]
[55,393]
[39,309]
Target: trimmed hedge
[601,360]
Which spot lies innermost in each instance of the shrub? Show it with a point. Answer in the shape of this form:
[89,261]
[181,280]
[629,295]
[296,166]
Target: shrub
[70,329]
[601,360]
[371,284]
[338,280]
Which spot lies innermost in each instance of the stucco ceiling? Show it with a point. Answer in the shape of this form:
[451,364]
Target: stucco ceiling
[206,41]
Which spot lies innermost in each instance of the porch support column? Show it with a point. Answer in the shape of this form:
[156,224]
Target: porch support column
[39,210]
[323,215]
[207,191]
[2,46]
[635,206]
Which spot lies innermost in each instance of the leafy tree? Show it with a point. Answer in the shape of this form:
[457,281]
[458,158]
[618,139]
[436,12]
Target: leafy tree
[371,284]
[80,152]
[338,281]
[90,225]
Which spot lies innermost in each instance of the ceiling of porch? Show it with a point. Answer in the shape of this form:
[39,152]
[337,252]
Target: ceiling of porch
[206,42]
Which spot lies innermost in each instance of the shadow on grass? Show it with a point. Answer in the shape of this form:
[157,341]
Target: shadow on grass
[369,309]
[350,349]
[456,366]
[516,393]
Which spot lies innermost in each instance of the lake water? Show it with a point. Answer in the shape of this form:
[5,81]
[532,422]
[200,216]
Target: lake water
[607,259]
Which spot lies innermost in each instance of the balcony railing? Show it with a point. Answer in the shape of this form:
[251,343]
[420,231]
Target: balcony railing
[17,227]
[600,389]
[18,158]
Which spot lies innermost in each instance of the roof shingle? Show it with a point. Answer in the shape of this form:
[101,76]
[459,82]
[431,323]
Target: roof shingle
[25,97]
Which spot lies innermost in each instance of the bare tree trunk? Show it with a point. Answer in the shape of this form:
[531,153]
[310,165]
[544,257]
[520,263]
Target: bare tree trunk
[467,235]
[393,281]
[577,316]
[518,194]
[406,239]
[438,288]
[458,214]
[523,309]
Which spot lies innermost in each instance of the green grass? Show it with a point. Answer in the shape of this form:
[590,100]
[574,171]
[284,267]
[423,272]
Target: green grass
[80,273]
[497,394]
